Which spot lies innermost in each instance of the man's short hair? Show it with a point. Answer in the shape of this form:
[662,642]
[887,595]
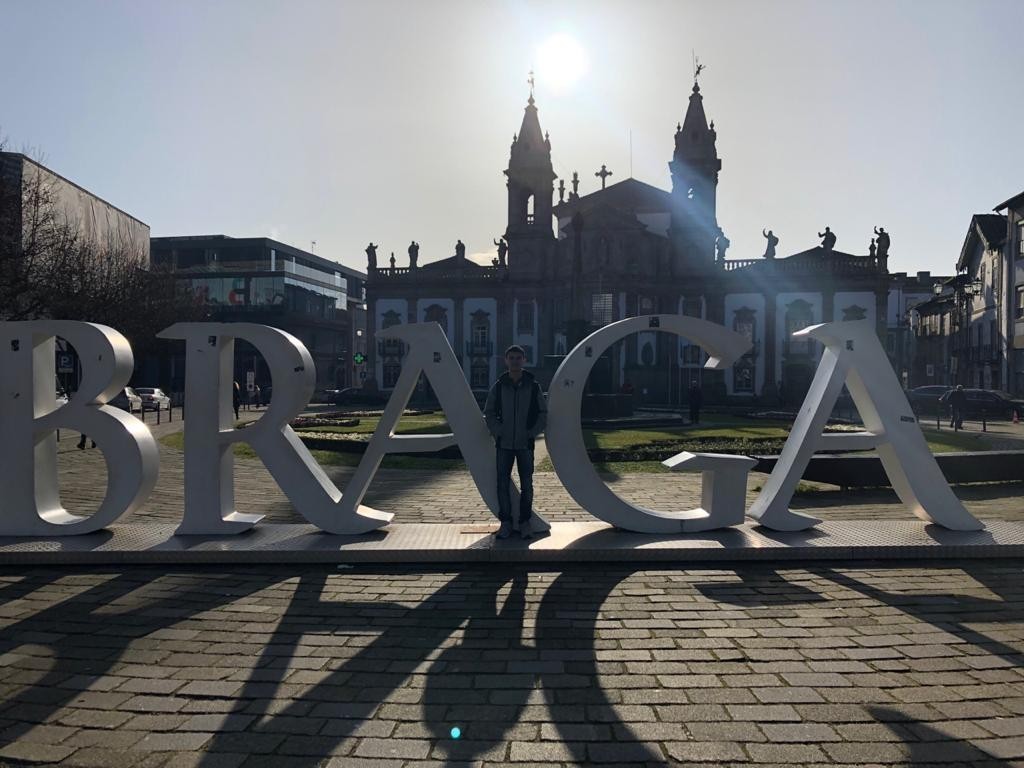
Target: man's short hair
[515,348]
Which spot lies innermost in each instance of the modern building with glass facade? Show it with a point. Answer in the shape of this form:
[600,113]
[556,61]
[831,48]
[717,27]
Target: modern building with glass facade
[259,280]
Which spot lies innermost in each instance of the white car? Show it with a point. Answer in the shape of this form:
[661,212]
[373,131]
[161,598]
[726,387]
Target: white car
[128,399]
[153,398]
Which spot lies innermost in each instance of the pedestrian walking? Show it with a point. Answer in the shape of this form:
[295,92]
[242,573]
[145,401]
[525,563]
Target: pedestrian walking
[957,402]
[236,399]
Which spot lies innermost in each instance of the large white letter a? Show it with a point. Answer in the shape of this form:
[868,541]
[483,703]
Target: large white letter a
[854,355]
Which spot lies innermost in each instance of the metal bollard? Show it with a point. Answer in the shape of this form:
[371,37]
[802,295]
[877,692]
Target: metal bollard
[984,426]
[158,409]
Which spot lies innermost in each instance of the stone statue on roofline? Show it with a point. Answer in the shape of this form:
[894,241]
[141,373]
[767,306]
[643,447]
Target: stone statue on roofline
[828,240]
[371,256]
[414,254]
[721,245]
[502,251]
[769,249]
[883,242]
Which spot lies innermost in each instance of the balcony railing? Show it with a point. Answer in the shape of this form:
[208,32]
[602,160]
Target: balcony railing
[421,274]
[829,264]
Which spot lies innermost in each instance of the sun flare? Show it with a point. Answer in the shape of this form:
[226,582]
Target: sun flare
[561,61]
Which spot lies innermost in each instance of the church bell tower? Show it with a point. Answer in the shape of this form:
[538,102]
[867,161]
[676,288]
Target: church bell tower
[530,183]
[695,166]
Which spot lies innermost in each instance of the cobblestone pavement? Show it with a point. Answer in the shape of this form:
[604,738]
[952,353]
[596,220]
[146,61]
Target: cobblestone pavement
[289,666]
[793,666]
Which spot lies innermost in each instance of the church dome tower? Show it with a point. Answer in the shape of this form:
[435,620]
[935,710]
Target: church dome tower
[695,166]
[530,180]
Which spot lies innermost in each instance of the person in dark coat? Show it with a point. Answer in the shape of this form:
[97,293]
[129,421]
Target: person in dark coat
[236,398]
[696,401]
[957,402]
[516,413]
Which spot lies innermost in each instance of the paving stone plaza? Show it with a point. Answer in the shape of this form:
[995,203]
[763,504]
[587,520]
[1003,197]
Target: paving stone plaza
[878,663]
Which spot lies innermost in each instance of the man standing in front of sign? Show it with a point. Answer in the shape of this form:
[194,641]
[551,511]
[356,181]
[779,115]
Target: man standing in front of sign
[516,414]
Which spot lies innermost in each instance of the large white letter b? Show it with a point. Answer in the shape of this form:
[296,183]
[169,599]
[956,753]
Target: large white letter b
[29,494]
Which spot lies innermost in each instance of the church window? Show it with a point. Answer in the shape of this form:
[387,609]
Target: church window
[601,308]
[435,313]
[744,323]
[479,376]
[691,354]
[743,381]
[646,305]
[647,354]
[524,317]
[391,373]
[799,315]
[854,312]
[529,210]
[560,344]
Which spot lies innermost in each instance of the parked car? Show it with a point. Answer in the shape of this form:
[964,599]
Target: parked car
[153,398]
[926,399]
[990,403]
[128,399]
[357,396]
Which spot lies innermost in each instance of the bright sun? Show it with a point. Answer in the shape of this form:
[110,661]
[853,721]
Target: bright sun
[561,61]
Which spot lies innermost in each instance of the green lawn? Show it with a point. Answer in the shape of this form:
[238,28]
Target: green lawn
[337,458]
[429,423]
[723,427]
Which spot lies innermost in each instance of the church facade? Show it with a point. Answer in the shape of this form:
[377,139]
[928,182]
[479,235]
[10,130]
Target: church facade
[570,266]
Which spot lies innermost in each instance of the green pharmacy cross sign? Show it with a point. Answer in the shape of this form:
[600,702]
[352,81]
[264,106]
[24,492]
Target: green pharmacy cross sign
[358,358]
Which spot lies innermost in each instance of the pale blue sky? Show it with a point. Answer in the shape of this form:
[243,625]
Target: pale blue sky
[343,122]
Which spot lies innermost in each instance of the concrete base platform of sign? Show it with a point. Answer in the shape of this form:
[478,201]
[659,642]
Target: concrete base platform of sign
[150,543]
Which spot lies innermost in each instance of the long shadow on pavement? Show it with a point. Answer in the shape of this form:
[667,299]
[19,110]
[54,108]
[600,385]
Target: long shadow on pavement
[481,684]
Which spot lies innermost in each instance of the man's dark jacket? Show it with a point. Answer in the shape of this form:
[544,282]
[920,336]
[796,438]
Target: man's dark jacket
[515,412]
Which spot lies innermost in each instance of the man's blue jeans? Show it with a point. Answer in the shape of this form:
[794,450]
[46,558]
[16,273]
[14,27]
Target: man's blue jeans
[523,459]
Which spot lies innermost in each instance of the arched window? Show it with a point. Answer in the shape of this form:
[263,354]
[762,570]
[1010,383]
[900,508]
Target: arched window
[799,315]
[647,354]
[435,313]
[744,323]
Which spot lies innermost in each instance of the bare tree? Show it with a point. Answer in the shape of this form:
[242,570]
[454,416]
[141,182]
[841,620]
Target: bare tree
[32,239]
[49,268]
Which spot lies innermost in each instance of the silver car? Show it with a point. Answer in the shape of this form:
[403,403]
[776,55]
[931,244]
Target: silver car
[129,400]
[153,398]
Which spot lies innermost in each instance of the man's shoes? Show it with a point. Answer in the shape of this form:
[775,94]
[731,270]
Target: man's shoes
[504,530]
[526,529]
